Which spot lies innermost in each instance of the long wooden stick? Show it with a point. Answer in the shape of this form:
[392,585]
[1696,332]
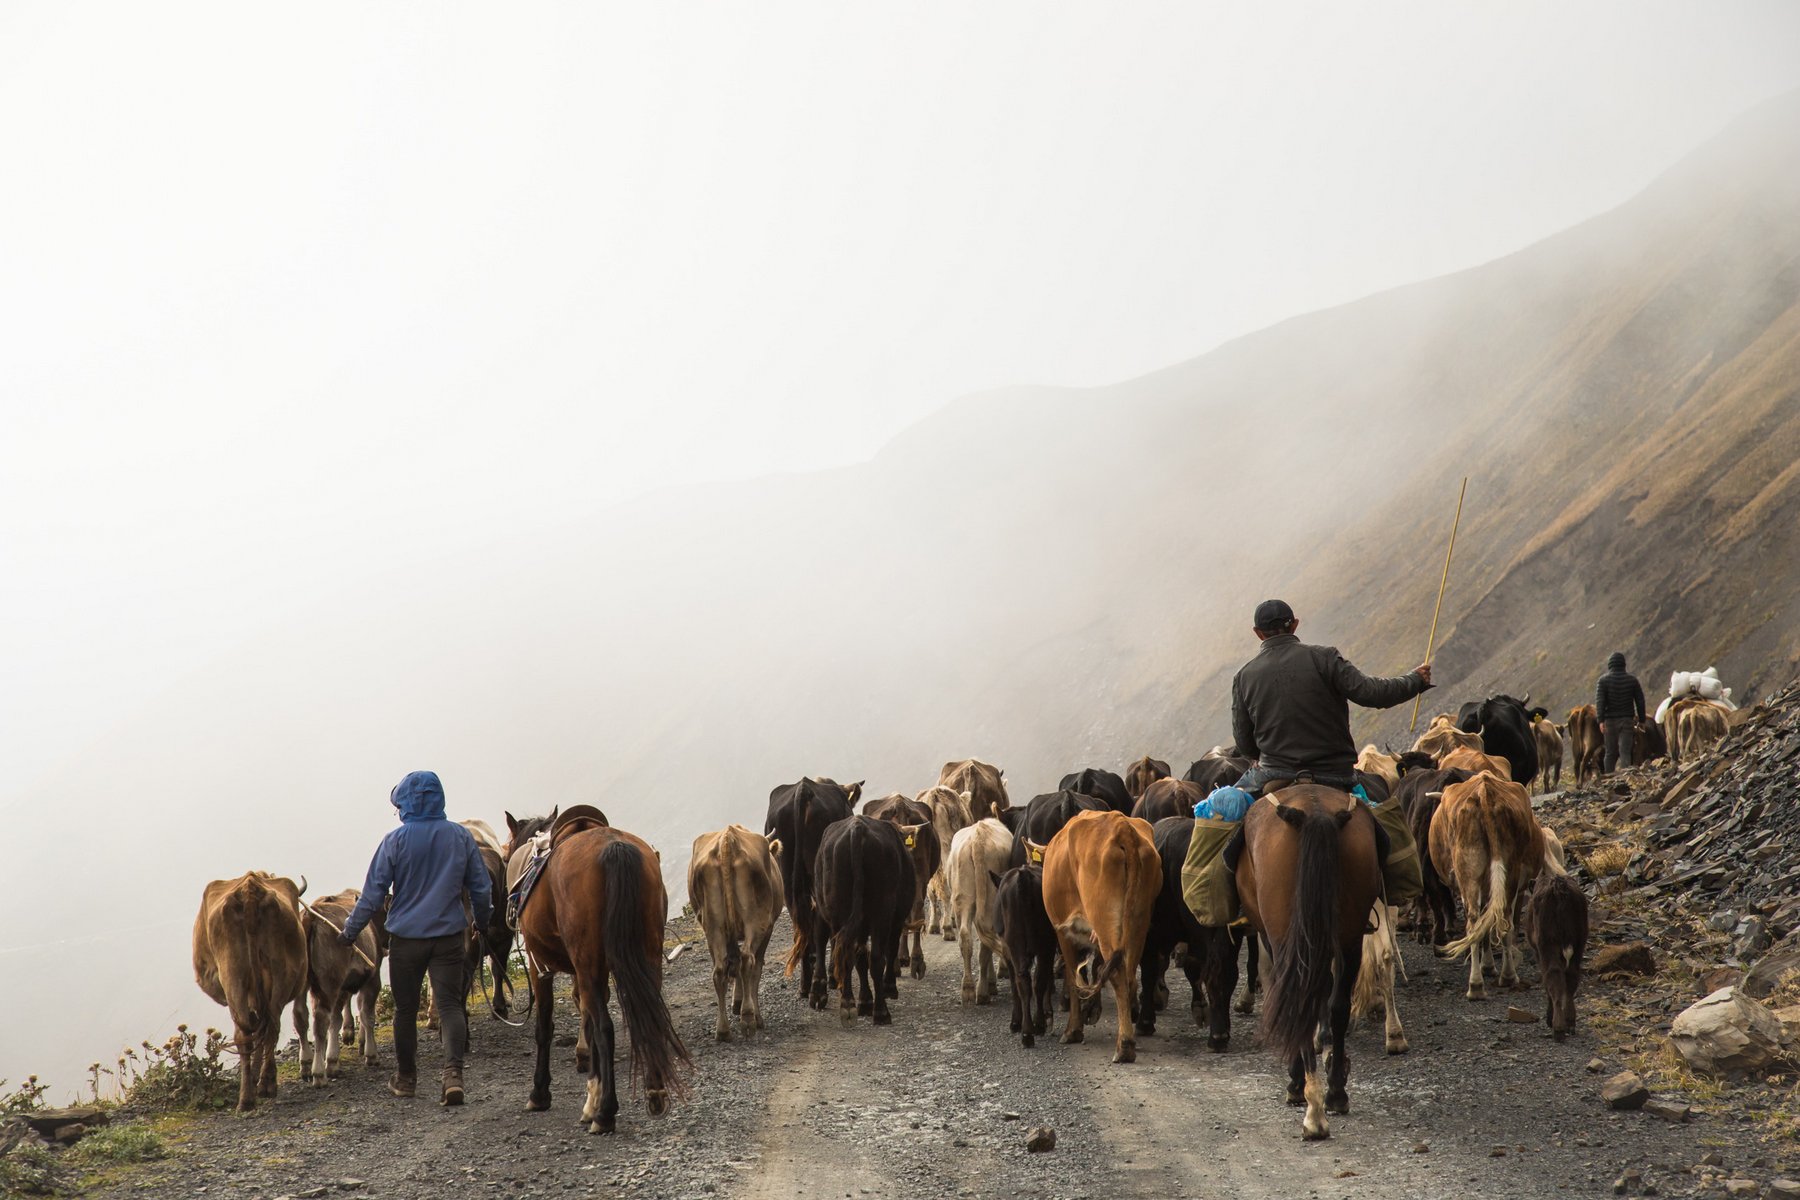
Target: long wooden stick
[1431,641]
[336,928]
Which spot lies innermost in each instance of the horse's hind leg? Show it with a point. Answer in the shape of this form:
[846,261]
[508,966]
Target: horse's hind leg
[1337,1093]
[604,1049]
[1252,973]
[542,992]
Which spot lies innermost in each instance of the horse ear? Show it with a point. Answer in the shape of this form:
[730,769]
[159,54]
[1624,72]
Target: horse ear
[551,819]
[512,824]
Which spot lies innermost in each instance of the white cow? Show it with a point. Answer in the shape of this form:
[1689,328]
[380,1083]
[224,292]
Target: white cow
[978,854]
[949,815]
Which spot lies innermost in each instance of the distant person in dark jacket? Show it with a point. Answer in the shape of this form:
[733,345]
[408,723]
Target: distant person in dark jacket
[1619,703]
[429,862]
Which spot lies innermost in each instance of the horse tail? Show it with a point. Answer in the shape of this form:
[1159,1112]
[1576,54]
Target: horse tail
[851,933]
[1305,960]
[656,1049]
[798,872]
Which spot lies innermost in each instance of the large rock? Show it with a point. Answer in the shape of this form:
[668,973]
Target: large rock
[1624,1091]
[1728,1033]
[1633,958]
[1773,969]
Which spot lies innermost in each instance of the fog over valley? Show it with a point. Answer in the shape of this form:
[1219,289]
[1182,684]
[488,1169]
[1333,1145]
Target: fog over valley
[645,411]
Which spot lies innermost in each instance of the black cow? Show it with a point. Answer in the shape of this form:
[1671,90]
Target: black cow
[1556,924]
[1012,817]
[799,814]
[864,893]
[1505,732]
[1093,781]
[1047,814]
[1168,798]
[1212,954]
[1211,772]
[1030,941]
[1420,792]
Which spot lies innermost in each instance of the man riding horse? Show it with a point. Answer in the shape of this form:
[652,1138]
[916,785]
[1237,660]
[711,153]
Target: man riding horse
[1290,710]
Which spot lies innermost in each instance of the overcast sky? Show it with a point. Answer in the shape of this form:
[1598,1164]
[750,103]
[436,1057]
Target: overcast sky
[286,292]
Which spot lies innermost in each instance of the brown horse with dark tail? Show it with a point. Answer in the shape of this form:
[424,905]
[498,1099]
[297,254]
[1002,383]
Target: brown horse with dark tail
[599,909]
[1308,877]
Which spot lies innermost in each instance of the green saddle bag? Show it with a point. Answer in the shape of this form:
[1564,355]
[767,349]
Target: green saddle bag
[1206,884]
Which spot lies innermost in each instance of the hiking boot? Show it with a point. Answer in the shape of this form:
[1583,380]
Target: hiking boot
[403,1086]
[453,1086]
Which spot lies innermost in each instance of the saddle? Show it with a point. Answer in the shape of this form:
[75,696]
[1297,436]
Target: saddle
[571,820]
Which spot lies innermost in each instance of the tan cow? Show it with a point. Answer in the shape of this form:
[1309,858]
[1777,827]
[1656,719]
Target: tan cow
[250,956]
[1142,773]
[336,974]
[1101,879]
[735,886]
[986,785]
[949,815]
[1484,836]
[1549,752]
[1475,761]
[1442,736]
[1375,979]
[1694,726]
[1585,742]
[977,854]
[1386,766]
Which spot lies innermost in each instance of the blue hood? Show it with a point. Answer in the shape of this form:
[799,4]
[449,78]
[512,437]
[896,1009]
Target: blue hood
[419,797]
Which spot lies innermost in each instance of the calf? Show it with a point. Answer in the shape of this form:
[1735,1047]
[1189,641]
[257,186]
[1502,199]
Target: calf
[949,814]
[977,853]
[1549,749]
[1168,798]
[1556,924]
[1029,943]
[1142,773]
[1485,837]
[336,974]
[1586,744]
[250,956]
[1101,877]
[734,884]
[914,821]
[1420,793]
[864,892]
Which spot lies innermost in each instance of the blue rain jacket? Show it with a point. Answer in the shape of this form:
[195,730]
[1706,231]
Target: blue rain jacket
[428,863]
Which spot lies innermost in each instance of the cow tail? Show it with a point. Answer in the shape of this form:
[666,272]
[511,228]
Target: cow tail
[850,935]
[1306,958]
[734,920]
[796,869]
[657,1053]
[1495,920]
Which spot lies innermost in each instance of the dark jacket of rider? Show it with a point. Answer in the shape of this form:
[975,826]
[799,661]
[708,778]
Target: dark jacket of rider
[429,862]
[1289,705]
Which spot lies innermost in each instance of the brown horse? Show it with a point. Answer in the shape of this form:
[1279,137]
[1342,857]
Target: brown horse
[599,909]
[1308,877]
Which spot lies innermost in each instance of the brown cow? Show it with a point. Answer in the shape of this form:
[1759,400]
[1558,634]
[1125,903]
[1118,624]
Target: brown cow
[1549,751]
[920,838]
[985,785]
[1101,878]
[734,884]
[1556,924]
[337,974]
[1373,761]
[1694,725]
[949,816]
[1442,736]
[1485,838]
[1585,742]
[250,956]
[1168,798]
[1142,773]
[1475,761]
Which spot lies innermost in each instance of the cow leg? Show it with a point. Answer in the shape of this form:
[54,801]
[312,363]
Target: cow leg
[302,1025]
[271,1033]
[1145,1021]
[1126,999]
[749,988]
[315,1066]
[723,970]
[918,948]
[1043,985]
[1509,958]
[988,981]
[846,967]
[248,1067]
[541,993]
[1221,981]
[1193,966]
[882,954]
[823,965]
[334,1051]
[1021,1004]
[965,942]
[1074,1031]
[365,1031]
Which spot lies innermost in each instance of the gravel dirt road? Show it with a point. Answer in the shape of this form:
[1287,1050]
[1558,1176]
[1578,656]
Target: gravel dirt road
[941,1102]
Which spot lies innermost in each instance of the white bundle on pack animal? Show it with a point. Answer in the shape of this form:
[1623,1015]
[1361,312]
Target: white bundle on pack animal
[1704,684]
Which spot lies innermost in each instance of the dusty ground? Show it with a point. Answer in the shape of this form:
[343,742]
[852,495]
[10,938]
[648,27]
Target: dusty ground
[940,1103]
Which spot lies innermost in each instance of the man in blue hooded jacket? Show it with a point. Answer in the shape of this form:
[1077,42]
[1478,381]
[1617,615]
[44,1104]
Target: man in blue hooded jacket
[428,863]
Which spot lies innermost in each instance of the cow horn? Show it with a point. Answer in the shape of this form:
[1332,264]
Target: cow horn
[1526,700]
[1434,795]
[302,890]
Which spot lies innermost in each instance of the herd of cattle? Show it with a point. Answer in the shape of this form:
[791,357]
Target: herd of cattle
[1088,876]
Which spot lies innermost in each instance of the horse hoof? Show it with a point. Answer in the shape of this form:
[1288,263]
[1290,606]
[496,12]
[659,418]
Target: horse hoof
[1218,1045]
[1125,1054]
[865,1008]
[1028,1040]
[1145,1030]
[538,1104]
[847,1016]
[1337,1104]
[1296,1098]
[983,1000]
[883,1017]
[604,1125]
[581,1064]
[657,1102]
[918,967]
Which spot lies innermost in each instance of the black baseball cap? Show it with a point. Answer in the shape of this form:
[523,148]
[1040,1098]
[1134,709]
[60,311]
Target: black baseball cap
[1273,614]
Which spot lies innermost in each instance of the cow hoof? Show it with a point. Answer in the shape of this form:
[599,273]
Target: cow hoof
[918,967]
[603,1125]
[1125,1054]
[1246,1006]
[847,1016]
[1398,1045]
[968,996]
[538,1104]
[1339,1103]
[865,1008]
[1144,1030]
[983,1000]
[883,1017]
[949,935]
[1296,1096]
[1308,1133]
[1559,1034]
[1072,1036]
[1217,1044]
[724,1035]
[1475,993]
[1028,1040]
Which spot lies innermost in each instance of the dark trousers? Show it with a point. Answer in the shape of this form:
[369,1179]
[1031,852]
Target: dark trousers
[408,961]
[1618,733]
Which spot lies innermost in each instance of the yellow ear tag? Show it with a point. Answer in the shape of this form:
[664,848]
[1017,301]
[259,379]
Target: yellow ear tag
[912,839]
[1034,854]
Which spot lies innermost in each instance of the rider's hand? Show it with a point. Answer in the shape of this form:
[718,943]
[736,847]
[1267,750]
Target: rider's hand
[1423,671]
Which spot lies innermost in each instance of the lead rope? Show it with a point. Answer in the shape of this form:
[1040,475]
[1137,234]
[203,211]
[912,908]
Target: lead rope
[531,993]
